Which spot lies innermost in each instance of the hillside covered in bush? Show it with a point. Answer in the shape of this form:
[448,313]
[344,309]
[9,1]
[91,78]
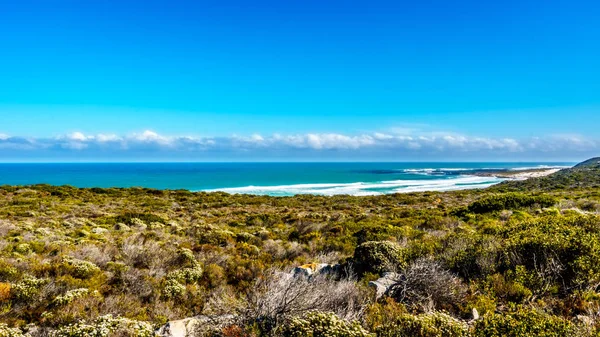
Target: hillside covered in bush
[582,175]
[519,259]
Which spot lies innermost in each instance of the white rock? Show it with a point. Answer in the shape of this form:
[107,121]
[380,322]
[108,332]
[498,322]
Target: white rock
[189,327]
[383,284]
[99,230]
[311,269]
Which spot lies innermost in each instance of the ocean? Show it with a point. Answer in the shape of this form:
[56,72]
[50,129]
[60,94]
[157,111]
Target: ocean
[277,179]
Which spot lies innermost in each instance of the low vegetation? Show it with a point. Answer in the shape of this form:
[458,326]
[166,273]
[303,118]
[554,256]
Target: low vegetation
[519,259]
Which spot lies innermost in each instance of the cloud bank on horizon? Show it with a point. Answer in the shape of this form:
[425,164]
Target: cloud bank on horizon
[390,146]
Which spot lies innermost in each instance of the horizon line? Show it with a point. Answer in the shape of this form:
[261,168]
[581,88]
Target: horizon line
[290,162]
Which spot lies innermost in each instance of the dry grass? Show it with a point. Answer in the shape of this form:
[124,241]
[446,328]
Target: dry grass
[279,296]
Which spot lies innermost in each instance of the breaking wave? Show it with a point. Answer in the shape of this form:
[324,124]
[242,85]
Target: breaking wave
[368,188]
[539,167]
[402,180]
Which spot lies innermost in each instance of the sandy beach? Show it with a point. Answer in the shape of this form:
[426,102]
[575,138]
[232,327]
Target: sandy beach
[533,174]
[520,174]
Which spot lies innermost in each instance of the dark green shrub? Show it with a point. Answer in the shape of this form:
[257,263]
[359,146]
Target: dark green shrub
[217,237]
[378,257]
[499,202]
[560,250]
[145,217]
[265,220]
[471,256]
[6,331]
[79,268]
[435,324]
[321,324]
[507,290]
[27,290]
[523,323]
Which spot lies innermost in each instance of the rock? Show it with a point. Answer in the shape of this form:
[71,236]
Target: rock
[383,284]
[99,230]
[585,320]
[179,328]
[191,326]
[475,317]
[310,269]
[122,227]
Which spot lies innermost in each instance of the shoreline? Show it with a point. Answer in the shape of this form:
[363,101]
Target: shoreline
[323,189]
[519,174]
[439,180]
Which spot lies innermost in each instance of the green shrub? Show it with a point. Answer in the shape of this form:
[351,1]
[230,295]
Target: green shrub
[72,295]
[5,331]
[213,236]
[378,257]
[471,255]
[264,220]
[523,323]
[186,275]
[145,217]
[106,326]
[509,290]
[173,289]
[383,312]
[23,248]
[499,202]
[7,271]
[321,324]
[79,268]
[244,237]
[27,289]
[185,257]
[562,251]
[435,324]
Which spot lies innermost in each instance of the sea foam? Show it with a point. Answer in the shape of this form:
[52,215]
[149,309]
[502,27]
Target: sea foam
[368,188]
[539,167]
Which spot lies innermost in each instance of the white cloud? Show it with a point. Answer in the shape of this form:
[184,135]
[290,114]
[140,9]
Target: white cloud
[391,144]
[103,138]
[257,138]
[150,137]
[381,136]
[74,145]
[78,136]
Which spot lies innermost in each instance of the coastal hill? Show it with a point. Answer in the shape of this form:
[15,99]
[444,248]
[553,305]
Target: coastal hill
[144,262]
[589,164]
[583,175]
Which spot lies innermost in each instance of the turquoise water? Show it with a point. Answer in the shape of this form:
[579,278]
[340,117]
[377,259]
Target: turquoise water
[265,178]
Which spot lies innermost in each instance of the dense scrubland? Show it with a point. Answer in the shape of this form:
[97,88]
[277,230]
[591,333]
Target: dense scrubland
[518,259]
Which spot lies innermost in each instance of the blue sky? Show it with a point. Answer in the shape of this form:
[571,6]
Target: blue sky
[286,80]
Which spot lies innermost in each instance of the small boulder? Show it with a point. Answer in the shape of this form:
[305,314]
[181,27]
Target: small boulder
[99,230]
[191,326]
[310,269]
[383,284]
[122,227]
[179,328]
